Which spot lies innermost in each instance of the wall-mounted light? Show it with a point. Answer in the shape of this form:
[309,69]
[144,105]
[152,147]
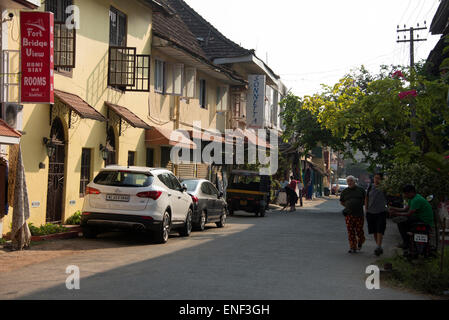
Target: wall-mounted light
[104,152]
[50,146]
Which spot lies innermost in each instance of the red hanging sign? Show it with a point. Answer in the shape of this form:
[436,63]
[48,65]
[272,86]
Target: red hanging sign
[37,34]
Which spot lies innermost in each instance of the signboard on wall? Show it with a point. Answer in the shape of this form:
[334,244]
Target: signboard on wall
[255,108]
[36,38]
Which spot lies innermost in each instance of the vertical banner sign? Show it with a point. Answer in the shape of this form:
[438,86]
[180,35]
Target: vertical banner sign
[36,36]
[255,108]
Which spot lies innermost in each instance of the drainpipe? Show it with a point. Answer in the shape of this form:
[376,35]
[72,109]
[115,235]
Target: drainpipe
[177,123]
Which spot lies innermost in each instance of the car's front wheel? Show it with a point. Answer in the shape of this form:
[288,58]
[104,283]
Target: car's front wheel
[187,228]
[164,231]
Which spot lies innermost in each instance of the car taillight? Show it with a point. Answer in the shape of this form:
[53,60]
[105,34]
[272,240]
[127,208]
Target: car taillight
[150,194]
[90,190]
[86,213]
[195,199]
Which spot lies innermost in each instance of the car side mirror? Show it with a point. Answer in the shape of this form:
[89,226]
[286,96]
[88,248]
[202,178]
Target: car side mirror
[220,195]
[184,188]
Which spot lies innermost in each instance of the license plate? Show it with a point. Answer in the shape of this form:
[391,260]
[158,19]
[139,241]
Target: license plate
[243,202]
[116,197]
[422,238]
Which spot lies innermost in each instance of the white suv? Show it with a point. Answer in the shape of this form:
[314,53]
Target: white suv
[137,198]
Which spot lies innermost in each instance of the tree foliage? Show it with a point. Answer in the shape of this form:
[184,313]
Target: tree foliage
[302,128]
[368,114]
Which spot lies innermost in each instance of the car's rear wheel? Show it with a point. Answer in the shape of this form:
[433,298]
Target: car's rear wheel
[222,222]
[90,232]
[164,231]
[201,226]
[187,228]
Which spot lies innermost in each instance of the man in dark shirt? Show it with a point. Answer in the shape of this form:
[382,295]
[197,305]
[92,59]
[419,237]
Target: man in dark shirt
[353,199]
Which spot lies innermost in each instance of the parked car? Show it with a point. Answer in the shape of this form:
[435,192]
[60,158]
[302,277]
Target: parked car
[139,199]
[208,203]
[342,184]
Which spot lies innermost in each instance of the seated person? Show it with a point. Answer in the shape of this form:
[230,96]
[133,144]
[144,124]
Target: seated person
[417,210]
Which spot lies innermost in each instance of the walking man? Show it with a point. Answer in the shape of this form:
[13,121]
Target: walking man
[353,199]
[376,212]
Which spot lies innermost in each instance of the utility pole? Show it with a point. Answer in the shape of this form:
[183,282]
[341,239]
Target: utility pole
[412,41]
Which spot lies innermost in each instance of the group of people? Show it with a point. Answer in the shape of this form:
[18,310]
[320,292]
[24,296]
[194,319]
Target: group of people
[356,202]
[290,189]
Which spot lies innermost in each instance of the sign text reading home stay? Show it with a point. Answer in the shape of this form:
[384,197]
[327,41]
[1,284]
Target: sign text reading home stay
[37,33]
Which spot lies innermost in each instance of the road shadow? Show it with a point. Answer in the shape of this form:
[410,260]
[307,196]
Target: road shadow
[291,257]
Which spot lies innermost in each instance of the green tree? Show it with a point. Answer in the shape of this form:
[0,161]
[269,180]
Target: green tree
[302,127]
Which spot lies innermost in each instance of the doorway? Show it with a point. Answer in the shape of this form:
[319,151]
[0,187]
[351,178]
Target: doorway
[56,176]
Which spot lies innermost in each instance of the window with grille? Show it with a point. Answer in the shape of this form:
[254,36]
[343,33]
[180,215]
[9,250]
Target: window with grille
[64,38]
[122,67]
[117,28]
[85,171]
[141,74]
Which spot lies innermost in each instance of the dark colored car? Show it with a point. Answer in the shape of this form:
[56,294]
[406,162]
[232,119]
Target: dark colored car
[208,203]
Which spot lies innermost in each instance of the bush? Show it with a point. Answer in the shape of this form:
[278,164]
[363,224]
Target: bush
[46,229]
[75,219]
[422,275]
[426,181]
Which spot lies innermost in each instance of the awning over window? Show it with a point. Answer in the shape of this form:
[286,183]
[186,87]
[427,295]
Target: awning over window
[207,136]
[79,106]
[128,116]
[167,137]
[8,135]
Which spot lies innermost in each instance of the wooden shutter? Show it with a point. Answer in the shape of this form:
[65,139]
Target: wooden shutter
[190,82]
[186,170]
[202,171]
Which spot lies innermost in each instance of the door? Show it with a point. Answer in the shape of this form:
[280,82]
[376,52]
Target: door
[180,199]
[217,200]
[211,200]
[56,168]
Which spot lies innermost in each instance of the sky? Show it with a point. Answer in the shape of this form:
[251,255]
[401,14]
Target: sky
[310,42]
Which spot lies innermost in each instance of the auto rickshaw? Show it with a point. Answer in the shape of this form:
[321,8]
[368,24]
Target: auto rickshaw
[248,191]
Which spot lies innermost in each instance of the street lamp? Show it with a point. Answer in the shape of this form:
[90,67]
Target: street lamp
[50,146]
[104,152]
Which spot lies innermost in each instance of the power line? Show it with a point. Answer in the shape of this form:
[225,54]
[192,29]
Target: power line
[405,11]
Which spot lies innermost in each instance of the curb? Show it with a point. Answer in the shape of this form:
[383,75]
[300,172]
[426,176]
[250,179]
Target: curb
[73,233]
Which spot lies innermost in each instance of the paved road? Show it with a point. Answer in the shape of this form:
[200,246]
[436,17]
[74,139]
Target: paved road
[282,256]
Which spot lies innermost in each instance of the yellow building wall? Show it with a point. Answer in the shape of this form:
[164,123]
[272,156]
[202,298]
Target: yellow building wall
[89,81]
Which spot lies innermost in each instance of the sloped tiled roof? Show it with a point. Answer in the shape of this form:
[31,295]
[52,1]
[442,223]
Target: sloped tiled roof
[173,28]
[188,28]
[6,130]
